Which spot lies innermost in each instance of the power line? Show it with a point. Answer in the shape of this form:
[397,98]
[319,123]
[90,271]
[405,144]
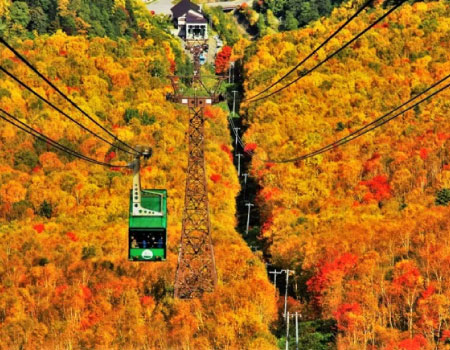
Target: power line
[54,143]
[392,111]
[371,126]
[35,70]
[33,132]
[333,54]
[356,14]
[232,125]
[60,111]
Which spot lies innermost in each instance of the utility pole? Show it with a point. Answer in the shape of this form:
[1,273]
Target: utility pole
[275,273]
[287,331]
[236,134]
[239,163]
[288,272]
[232,75]
[245,178]
[234,102]
[196,270]
[245,186]
[249,205]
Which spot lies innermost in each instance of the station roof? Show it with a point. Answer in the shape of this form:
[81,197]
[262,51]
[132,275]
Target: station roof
[183,7]
[192,18]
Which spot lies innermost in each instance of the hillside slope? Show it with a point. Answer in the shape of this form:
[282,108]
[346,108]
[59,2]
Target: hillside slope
[65,281]
[111,18]
[365,225]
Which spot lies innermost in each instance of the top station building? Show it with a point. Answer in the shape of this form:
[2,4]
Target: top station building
[190,21]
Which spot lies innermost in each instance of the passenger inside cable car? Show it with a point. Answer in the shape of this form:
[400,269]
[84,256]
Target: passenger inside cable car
[147,233]
[146,239]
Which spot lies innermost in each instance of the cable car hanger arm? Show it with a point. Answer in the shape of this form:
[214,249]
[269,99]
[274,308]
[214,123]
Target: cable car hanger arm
[135,165]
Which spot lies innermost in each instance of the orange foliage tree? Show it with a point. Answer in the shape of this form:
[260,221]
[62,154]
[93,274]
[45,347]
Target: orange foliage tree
[65,281]
[365,225]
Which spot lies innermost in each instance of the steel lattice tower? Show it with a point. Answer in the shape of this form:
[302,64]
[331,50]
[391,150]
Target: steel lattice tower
[196,270]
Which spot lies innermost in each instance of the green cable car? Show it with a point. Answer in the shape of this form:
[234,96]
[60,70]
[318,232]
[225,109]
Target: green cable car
[147,235]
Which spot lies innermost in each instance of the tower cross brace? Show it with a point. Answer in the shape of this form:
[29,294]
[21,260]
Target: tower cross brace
[196,271]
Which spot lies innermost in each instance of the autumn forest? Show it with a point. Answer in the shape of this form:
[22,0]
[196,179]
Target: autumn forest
[354,206]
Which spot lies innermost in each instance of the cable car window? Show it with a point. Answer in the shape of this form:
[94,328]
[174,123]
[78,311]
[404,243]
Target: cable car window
[147,236]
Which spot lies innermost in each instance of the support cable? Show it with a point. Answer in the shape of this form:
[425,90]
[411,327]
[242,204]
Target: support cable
[371,126]
[333,54]
[33,132]
[233,127]
[236,134]
[356,14]
[60,111]
[68,99]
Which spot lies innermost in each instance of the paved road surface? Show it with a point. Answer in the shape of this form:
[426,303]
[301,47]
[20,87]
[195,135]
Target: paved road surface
[235,3]
[164,6]
[161,7]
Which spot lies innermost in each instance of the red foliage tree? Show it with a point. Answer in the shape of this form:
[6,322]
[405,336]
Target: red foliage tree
[428,292]
[223,60]
[39,228]
[249,147]
[90,320]
[443,136]
[110,156]
[216,178]
[226,149]
[147,301]
[60,289]
[345,316]
[423,153]
[416,343]
[209,113]
[72,236]
[173,65]
[445,335]
[407,275]
[379,188]
[322,279]
[268,193]
[267,224]
[86,292]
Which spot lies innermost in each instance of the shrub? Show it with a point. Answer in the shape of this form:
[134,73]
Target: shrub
[144,118]
[88,252]
[129,114]
[19,208]
[443,197]
[63,155]
[25,157]
[4,92]
[45,210]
